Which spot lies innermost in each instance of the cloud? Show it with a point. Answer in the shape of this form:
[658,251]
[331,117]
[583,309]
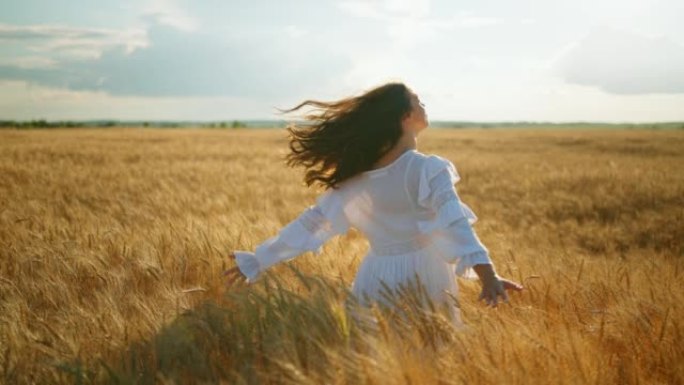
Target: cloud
[375,9]
[399,11]
[420,8]
[295,32]
[408,22]
[28,62]
[20,100]
[169,13]
[174,62]
[623,62]
[67,42]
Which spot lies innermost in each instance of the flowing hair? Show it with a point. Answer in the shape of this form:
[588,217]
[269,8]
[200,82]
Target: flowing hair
[343,138]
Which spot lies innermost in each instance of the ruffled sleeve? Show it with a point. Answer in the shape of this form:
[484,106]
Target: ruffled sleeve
[308,232]
[451,221]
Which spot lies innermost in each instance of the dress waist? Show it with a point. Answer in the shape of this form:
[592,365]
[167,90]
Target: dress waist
[402,247]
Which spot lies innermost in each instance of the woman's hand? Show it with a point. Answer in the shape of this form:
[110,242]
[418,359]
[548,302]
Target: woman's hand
[494,286]
[234,274]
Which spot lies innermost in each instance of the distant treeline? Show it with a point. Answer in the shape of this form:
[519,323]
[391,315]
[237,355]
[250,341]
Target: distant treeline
[557,125]
[240,124]
[232,124]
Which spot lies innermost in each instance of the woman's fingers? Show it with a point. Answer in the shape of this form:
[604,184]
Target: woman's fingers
[510,285]
[504,296]
[491,294]
[232,276]
[489,297]
[484,296]
[232,280]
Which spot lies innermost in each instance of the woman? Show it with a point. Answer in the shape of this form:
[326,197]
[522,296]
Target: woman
[363,149]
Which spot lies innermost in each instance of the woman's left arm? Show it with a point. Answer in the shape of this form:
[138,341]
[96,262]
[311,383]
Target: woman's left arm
[494,286]
[455,238]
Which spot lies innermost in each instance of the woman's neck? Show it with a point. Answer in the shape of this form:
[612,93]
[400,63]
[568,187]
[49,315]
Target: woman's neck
[407,142]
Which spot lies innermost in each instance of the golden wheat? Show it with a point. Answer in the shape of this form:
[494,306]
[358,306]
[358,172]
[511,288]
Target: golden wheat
[112,244]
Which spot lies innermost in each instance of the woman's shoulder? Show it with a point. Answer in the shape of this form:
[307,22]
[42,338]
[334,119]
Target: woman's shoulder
[431,161]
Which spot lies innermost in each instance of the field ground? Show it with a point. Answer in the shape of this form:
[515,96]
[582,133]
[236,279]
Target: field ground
[112,244]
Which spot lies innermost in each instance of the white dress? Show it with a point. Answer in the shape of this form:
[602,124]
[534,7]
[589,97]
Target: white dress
[412,217]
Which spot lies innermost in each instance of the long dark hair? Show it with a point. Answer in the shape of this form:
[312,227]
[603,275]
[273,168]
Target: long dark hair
[343,138]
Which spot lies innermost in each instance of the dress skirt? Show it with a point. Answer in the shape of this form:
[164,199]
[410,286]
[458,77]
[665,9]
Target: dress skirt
[424,268]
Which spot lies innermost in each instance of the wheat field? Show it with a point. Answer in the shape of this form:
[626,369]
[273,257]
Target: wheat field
[113,242]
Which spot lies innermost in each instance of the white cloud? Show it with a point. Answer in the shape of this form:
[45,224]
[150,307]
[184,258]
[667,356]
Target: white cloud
[383,9]
[20,100]
[416,8]
[409,23]
[295,32]
[363,9]
[410,32]
[623,62]
[470,21]
[169,13]
[53,43]
[177,63]
[28,62]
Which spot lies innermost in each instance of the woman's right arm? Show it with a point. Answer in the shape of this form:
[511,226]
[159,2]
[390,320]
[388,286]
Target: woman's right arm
[250,265]
[308,232]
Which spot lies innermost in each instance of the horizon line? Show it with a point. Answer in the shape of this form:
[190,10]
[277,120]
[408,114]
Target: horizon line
[283,121]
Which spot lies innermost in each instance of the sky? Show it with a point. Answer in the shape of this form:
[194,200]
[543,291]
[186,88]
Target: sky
[208,60]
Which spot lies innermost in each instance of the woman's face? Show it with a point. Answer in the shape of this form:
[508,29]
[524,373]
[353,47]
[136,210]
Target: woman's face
[416,120]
